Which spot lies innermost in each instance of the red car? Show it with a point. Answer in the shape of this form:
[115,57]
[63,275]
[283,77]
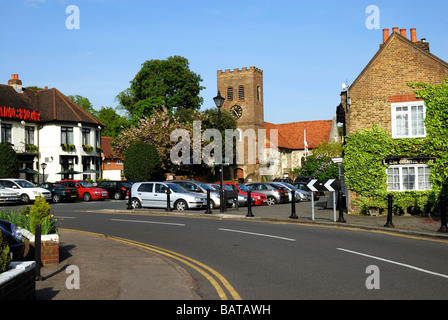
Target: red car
[86,190]
[260,199]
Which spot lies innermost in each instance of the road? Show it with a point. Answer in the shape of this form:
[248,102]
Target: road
[269,261]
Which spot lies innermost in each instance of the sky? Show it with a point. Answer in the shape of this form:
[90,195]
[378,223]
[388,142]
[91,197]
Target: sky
[306,49]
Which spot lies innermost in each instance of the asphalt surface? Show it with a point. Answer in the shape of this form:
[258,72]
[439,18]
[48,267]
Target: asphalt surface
[114,270]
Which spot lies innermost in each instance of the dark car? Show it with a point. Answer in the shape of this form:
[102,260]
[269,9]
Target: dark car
[117,189]
[303,186]
[60,193]
[11,234]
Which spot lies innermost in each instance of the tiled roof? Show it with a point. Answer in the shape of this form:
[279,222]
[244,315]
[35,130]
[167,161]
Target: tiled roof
[291,135]
[107,149]
[51,103]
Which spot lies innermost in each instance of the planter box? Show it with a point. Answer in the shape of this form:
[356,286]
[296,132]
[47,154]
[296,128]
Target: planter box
[18,283]
[49,254]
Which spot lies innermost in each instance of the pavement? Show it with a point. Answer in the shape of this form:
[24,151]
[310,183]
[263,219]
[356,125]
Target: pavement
[132,273]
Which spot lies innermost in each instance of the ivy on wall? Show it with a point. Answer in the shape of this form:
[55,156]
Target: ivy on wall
[365,150]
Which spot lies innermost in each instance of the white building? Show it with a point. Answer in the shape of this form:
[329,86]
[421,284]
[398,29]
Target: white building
[45,127]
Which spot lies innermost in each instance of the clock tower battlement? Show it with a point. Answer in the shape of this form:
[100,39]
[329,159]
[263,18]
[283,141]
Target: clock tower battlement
[243,91]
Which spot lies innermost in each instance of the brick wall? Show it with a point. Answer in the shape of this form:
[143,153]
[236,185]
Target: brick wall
[385,79]
[19,283]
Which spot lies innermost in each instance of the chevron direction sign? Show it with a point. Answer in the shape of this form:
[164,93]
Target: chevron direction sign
[325,185]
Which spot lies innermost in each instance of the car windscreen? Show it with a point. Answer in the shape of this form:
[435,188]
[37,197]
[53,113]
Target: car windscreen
[205,186]
[25,184]
[176,188]
[85,184]
[242,187]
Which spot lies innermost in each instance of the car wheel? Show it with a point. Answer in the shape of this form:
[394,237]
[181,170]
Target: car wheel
[25,198]
[271,201]
[56,198]
[212,204]
[87,196]
[181,205]
[135,203]
[117,195]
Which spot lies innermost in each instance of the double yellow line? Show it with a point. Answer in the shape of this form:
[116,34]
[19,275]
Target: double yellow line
[220,283]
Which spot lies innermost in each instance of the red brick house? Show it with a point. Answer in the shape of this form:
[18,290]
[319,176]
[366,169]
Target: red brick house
[381,95]
[112,165]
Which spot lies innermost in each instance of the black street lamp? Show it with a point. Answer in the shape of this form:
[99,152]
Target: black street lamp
[219,102]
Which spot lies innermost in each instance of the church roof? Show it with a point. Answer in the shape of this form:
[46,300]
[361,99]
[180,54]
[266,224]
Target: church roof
[291,135]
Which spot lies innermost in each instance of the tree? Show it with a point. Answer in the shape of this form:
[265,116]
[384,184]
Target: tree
[83,103]
[168,83]
[9,162]
[320,167]
[142,163]
[114,123]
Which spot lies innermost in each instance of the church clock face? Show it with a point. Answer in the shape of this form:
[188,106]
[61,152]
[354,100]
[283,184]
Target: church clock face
[236,111]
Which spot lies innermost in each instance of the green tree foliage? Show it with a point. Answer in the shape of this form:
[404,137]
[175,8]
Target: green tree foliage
[114,123]
[168,83]
[320,167]
[9,162]
[83,103]
[142,163]
[40,213]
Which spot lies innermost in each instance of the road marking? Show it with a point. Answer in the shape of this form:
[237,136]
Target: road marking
[152,222]
[397,263]
[258,234]
[62,217]
[196,265]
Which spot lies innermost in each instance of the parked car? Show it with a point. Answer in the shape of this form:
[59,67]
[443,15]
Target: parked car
[287,180]
[117,189]
[231,194]
[303,186]
[11,234]
[274,192]
[259,198]
[153,195]
[28,191]
[60,193]
[86,190]
[8,196]
[300,195]
[201,188]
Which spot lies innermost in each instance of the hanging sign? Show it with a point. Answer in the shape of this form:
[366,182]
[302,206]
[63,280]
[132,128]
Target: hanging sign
[19,113]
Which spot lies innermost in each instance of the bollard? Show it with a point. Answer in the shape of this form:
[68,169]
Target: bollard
[341,208]
[389,223]
[129,199]
[168,199]
[443,227]
[293,206]
[208,210]
[249,204]
[37,251]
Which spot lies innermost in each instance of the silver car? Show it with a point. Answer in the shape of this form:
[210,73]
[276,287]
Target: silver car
[8,196]
[301,195]
[274,192]
[197,187]
[154,195]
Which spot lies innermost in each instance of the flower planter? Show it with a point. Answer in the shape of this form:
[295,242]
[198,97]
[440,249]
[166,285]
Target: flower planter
[49,254]
[18,282]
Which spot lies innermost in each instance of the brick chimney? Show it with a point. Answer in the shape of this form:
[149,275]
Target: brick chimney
[16,83]
[421,44]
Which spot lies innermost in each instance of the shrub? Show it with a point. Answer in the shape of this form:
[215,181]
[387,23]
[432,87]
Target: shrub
[5,258]
[41,213]
[142,163]
[9,163]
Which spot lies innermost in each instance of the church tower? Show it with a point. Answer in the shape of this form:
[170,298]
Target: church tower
[243,93]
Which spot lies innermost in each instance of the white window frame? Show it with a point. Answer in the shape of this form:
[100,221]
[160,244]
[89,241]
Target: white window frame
[408,113]
[401,169]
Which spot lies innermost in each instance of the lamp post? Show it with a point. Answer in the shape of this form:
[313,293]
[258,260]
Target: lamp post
[219,102]
[43,166]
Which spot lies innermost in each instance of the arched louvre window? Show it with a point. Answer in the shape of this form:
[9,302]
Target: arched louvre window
[258,93]
[241,93]
[229,94]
